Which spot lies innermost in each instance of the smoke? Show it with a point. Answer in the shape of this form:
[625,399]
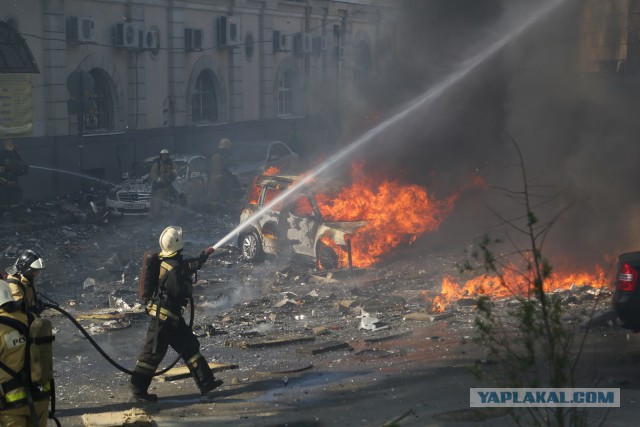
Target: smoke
[576,132]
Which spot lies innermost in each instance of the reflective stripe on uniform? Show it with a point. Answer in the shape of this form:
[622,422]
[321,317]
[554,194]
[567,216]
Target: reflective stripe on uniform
[164,313]
[145,366]
[14,396]
[166,266]
[194,359]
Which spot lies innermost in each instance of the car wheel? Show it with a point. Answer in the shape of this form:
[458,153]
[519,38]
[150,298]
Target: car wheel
[251,247]
[326,258]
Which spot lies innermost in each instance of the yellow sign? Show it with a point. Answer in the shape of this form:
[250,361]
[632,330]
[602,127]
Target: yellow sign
[15,105]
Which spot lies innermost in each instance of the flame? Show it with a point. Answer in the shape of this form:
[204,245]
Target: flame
[272,171]
[513,283]
[396,214]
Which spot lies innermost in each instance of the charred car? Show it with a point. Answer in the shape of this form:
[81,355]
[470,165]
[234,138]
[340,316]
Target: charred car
[626,297]
[133,195]
[293,226]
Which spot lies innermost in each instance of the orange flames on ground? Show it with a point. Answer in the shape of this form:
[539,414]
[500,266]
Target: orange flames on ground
[514,283]
[396,214]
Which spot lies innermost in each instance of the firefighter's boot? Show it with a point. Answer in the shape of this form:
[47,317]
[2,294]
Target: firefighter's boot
[139,385]
[202,374]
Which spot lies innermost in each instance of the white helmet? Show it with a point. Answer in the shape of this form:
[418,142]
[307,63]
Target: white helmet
[224,143]
[164,151]
[171,241]
[5,293]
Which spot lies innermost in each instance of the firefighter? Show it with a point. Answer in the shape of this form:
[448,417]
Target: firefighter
[167,327]
[163,173]
[22,403]
[219,174]
[11,167]
[21,277]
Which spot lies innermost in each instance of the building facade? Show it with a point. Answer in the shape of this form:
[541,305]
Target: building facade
[121,79]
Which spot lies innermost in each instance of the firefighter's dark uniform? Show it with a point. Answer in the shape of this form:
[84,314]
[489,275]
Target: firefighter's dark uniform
[162,174]
[14,408]
[11,167]
[168,328]
[218,177]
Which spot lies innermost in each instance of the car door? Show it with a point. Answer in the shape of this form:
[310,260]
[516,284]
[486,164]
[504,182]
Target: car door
[269,221]
[301,224]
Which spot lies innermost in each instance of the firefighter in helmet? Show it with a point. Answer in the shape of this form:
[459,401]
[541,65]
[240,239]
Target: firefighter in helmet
[21,277]
[22,403]
[11,167]
[167,326]
[163,173]
[219,174]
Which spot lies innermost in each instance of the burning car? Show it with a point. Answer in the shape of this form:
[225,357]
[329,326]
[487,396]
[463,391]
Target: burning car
[294,226]
[249,159]
[133,195]
[626,297]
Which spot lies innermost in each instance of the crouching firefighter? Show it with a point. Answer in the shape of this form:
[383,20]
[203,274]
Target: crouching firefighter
[167,285]
[26,366]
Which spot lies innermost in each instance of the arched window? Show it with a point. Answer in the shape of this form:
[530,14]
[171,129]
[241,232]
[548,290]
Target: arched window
[204,107]
[285,93]
[98,114]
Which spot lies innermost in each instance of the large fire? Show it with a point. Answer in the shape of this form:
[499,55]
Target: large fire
[396,214]
[513,283]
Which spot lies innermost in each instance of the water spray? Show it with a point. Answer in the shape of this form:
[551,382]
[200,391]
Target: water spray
[425,99]
[89,177]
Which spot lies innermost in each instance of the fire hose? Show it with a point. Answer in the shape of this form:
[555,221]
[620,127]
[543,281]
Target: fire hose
[51,304]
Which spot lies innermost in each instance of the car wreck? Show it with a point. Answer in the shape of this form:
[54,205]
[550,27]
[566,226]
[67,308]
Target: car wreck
[133,195]
[293,227]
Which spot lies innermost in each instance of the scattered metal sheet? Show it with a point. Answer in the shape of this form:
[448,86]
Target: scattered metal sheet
[271,342]
[428,317]
[108,314]
[183,371]
[133,417]
[324,347]
[388,337]
[284,366]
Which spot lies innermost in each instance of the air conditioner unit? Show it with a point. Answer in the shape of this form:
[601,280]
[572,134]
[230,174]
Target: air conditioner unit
[228,31]
[81,29]
[150,40]
[319,44]
[127,36]
[280,41]
[192,39]
[302,44]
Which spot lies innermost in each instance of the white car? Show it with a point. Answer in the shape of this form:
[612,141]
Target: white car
[249,159]
[294,226]
[133,195]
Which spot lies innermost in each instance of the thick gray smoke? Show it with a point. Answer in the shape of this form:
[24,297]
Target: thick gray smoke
[576,131]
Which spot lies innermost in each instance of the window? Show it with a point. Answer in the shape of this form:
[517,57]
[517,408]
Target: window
[97,111]
[301,207]
[248,46]
[285,93]
[278,151]
[204,107]
[270,194]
